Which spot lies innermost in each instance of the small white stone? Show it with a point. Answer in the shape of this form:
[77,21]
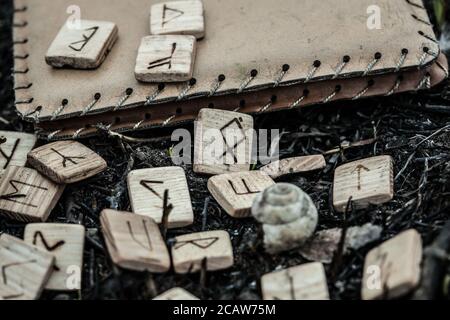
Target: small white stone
[288,215]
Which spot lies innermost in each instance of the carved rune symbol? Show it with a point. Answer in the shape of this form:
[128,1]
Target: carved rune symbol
[147,245]
[231,149]
[5,278]
[8,158]
[244,183]
[163,61]
[176,13]
[358,169]
[15,195]
[79,45]
[147,185]
[47,246]
[65,158]
[204,243]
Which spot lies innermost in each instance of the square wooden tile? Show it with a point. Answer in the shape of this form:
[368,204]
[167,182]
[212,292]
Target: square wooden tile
[25,269]
[303,282]
[13,152]
[66,243]
[223,142]
[134,242]
[190,250]
[165,58]
[235,192]
[178,17]
[176,294]
[82,48]
[146,191]
[66,161]
[294,165]
[393,268]
[27,195]
[367,181]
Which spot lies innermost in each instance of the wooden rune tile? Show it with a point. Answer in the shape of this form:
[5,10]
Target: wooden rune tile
[303,282]
[176,294]
[178,17]
[134,241]
[223,142]
[287,166]
[235,192]
[66,243]
[25,269]
[146,189]
[367,181]
[211,248]
[27,195]
[14,149]
[393,268]
[165,58]
[83,46]
[66,161]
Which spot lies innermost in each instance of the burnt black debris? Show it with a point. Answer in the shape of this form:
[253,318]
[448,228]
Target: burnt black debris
[413,128]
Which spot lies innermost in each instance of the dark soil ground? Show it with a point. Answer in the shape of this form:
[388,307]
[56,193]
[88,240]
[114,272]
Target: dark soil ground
[400,125]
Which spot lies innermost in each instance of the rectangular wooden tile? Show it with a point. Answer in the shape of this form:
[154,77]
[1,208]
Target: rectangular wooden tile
[303,282]
[393,268]
[176,294]
[213,248]
[14,149]
[294,165]
[165,58]
[27,195]
[82,46]
[235,192]
[178,17]
[66,161]
[25,269]
[134,242]
[223,142]
[146,189]
[66,243]
[367,181]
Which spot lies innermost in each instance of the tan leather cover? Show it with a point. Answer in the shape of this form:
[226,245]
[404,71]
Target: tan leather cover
[250,42]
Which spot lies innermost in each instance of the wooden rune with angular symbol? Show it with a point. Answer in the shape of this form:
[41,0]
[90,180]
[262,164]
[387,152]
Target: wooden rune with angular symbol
[66,243]
[83,46]
[211,248]
[66,161]
[14,150]
[134,241]
[27,195]
[165,58]
[146,191]
[178,17]
[367,181]
[24,269]
[304,282]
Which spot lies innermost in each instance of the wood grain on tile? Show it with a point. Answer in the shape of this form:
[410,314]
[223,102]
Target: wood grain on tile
[294,165]
[235,192]
[223,142]
[303,282]
[66,243]
[134,242]
[178,17]
[66,161]
[146,189]
[27,195]
[13,152]
[165,58]
[25,269]
[213,248]
[367,181]
[393,268]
